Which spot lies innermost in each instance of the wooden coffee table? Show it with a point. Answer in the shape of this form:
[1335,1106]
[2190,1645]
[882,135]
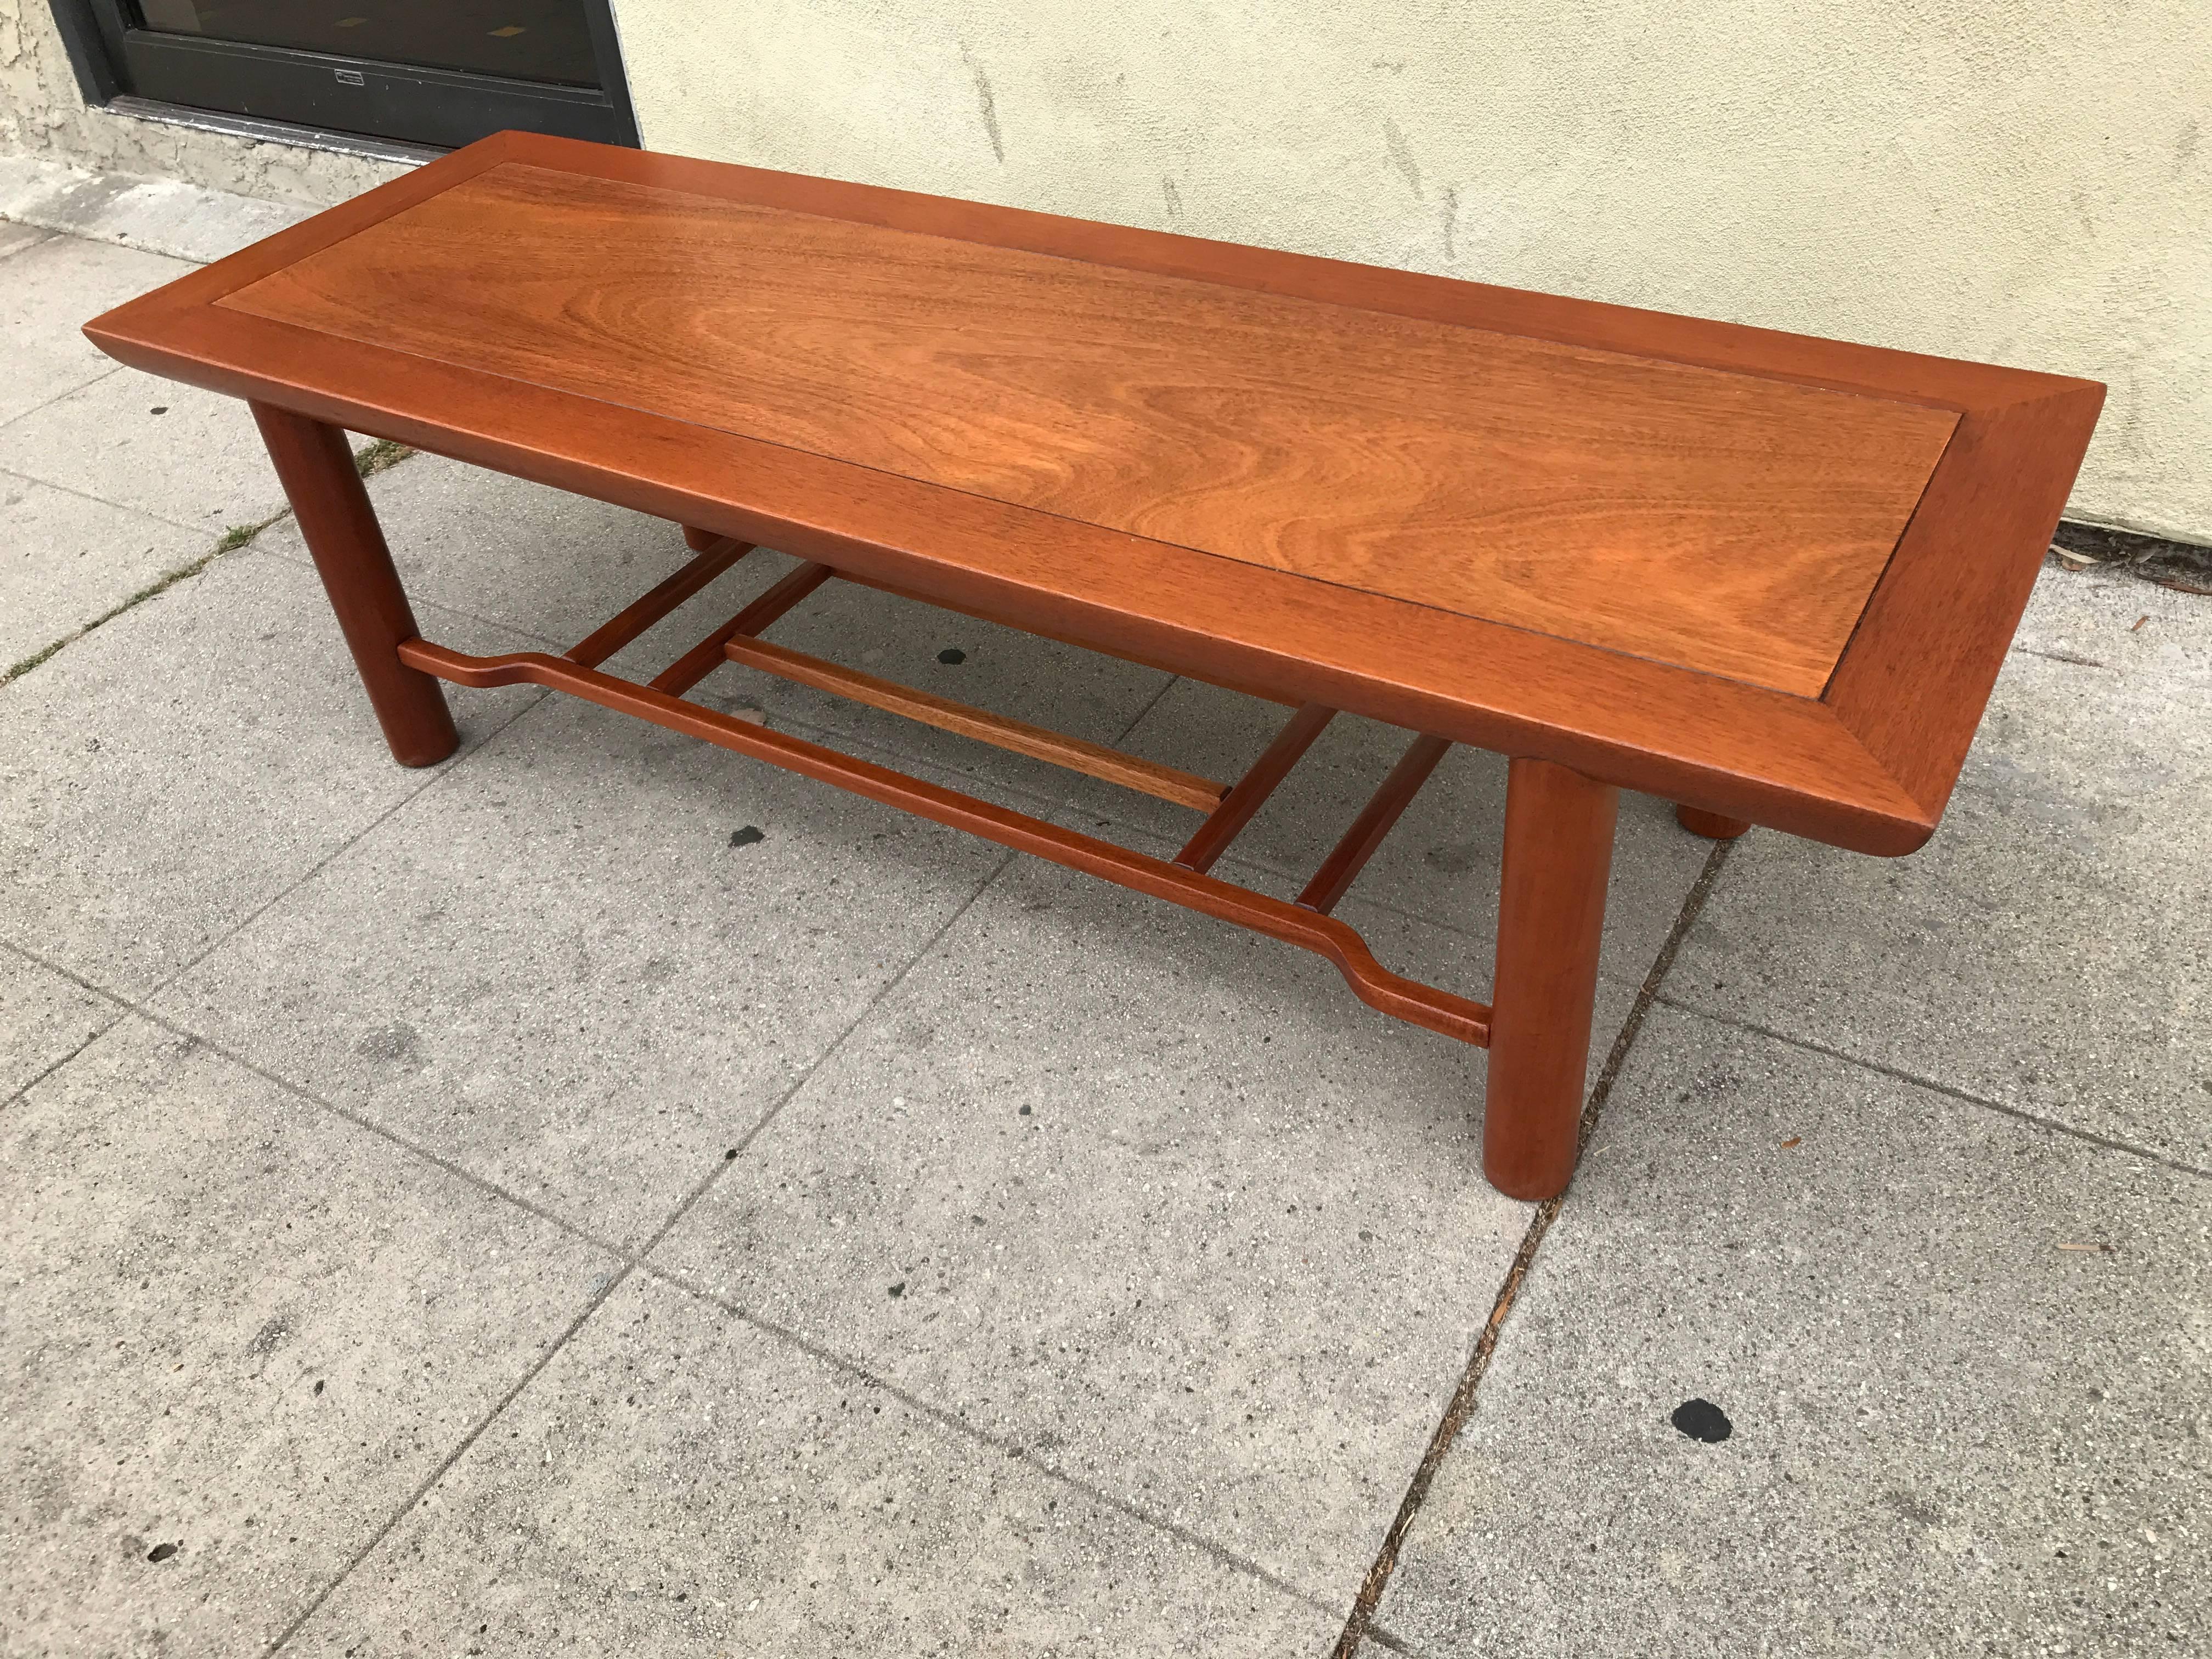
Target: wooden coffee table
[1769,578]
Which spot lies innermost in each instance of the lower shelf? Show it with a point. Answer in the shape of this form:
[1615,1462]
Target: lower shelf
[1393,994]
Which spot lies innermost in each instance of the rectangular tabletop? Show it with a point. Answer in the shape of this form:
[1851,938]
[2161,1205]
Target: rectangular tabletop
[1770,576]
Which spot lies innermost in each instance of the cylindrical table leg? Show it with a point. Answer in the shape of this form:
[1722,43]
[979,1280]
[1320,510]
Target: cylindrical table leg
[340,528]
[1551,914]
[700,540]
[1712,825]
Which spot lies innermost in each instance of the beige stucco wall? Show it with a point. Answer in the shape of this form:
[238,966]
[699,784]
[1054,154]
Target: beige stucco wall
[2025,181]
[42,113]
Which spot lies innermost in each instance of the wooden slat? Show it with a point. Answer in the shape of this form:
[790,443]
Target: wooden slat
[718,554]
[702,658]
[1252,790]
[1377,985]
[1350,857]
[1095,760]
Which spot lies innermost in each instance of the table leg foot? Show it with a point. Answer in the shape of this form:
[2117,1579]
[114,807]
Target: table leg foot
[1712,825]
[1550,915]
[316,467]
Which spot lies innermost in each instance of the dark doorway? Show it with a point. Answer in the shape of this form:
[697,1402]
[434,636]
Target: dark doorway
[435,72]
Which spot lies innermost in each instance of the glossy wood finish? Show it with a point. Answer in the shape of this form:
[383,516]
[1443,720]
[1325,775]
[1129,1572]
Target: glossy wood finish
[1419,1005]
[716,555]
[1709,518]
[1867,764]
[1093,759]
[1913,684]
[1249,794]
[1341,868]
[315,465]
[704,658]
[1712,825]
[1551,916]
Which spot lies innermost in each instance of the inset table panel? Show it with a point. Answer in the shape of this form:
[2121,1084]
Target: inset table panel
[1729,523]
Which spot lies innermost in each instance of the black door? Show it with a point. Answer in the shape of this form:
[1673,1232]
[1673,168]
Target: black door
[438,72]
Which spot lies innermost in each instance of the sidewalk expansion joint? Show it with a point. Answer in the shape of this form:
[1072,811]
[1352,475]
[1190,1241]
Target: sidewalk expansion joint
[1359,1625]
[65,393]
[236,536]
[947,1418]
[598,1298]
[379,457]
[437,775]
[122,1008]
[631,1260]
[830,1051]
[2055,1125]
[184,1033]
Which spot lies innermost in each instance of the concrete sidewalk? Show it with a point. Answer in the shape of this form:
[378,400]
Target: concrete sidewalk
[507,1209]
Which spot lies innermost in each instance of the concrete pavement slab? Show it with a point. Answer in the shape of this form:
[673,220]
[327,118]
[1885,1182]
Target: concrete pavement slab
[166,776]
[44,1020]
[678,1481]
[1961,1360]
[169,216]
[66,559]
[50,291]
[1440,862]
[156,447]
[240,1332]
[1149,1196]
[15,238]
[587,967]
[2052,947]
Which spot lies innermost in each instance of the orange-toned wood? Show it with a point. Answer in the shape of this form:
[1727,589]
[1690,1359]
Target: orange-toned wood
[704,658]
[1712,825]
[1550,915]
[1375,985]
[716,555]
[1094,759]
[315,465]
[1866,766]
[1342,866]
[1717,520]
[698,540]
[1250,792]
[1918,673]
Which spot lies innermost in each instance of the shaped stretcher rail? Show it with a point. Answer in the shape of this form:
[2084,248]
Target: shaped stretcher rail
[1183,882]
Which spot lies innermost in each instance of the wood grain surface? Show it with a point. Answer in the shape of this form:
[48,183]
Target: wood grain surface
[1720,521]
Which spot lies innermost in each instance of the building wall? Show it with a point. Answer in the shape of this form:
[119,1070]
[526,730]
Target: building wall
[2025,181]
[42,113]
